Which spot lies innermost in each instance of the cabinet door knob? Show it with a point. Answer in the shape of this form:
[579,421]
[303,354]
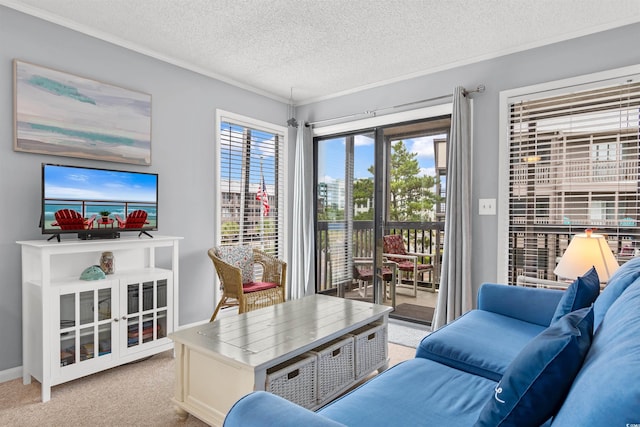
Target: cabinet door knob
[116,319]
[124,317]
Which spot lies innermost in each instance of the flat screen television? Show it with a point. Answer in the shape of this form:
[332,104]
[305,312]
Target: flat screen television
[97,203]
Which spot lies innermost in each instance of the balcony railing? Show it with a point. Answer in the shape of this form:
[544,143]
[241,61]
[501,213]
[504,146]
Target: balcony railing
[578,170]
[535,251]
[419,237]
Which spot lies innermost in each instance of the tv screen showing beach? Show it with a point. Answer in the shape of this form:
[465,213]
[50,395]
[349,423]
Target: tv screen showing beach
[78,199]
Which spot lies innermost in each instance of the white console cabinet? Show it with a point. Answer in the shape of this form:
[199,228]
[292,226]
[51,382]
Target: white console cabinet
[72,327]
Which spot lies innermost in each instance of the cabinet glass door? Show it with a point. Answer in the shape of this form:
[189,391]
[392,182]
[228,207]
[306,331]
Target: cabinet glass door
[146,312]
[85,324]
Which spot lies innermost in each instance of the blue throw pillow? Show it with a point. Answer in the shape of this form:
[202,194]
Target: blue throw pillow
[582,293]
[537,381]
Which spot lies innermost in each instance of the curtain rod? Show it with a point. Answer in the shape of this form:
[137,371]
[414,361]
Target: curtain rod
[479,89]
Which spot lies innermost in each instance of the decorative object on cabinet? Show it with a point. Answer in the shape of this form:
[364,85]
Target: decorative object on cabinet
[107,263]
[73,328]
[93,272]
[61,114]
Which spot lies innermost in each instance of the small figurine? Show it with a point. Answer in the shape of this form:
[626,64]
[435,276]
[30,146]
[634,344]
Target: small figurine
[92,273]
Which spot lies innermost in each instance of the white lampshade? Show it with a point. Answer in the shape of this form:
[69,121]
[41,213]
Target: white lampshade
[585,251]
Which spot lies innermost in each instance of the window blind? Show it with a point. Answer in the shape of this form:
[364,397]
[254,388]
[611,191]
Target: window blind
[334,169]
[573,164]
[252,185]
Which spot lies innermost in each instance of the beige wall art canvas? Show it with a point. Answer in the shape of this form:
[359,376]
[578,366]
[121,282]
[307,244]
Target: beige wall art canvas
[62,114]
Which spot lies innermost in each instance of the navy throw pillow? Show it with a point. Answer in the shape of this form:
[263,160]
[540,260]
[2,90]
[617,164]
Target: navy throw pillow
[582,293]
[537,381]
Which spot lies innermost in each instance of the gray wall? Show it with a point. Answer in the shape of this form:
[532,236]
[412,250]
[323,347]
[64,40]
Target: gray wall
[183,132]
[589,54]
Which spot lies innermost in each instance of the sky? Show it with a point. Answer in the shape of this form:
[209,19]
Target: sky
[331,158]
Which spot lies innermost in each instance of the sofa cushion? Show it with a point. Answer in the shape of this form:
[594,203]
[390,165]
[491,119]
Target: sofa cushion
[606,392]
[417,392]
[533,305]
[619,281]
[261,408]
[535,384]
[463,344]
[582,293]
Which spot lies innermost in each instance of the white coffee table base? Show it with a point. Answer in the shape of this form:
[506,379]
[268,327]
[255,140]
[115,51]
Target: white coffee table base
[218,363]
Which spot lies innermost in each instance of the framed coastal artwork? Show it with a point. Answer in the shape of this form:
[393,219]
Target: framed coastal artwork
[62,114]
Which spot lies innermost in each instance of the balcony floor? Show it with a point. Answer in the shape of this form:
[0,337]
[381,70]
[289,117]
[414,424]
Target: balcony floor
[417,309]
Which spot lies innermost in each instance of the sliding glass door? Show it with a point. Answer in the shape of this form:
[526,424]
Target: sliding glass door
[372,183]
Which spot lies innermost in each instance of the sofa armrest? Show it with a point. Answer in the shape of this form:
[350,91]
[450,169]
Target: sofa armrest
[261,409]
[533,305]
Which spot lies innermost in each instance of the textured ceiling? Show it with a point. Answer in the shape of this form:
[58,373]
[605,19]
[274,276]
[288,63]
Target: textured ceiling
[324,48]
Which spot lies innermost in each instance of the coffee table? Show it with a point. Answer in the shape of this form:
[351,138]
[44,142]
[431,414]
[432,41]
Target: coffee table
[218,363]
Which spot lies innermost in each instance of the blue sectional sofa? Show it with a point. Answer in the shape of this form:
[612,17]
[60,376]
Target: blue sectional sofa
[517,350]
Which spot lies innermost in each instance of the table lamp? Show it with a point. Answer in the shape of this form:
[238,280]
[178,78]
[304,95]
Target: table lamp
[585,251]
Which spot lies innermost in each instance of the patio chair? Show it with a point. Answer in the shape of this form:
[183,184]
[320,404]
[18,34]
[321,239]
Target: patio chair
[136,219]
[394,250]
[68,219]
[235,266]
[363,272]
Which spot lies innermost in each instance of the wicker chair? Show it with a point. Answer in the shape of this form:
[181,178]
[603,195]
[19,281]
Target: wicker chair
[249,294]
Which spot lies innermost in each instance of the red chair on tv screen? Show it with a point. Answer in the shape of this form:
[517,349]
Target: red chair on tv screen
[68,219]
[136,219]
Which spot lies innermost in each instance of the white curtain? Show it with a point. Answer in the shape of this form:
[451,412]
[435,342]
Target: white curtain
[302,263]
[455,297]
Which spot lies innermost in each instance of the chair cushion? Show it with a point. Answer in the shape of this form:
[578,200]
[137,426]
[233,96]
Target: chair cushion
[582,293]
[538,380]
[394,244]
[240,257]
[408,266]
[362,273]
[366,273]
[257,286]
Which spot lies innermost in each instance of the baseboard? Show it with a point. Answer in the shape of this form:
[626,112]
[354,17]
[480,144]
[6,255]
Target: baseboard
[10,374]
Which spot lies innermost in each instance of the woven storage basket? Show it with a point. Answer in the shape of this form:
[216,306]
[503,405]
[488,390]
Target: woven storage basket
[295,380]
[371,349]
[336,366]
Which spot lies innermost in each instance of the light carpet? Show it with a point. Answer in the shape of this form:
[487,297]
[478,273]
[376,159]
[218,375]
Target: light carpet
[406,333]
[138,394]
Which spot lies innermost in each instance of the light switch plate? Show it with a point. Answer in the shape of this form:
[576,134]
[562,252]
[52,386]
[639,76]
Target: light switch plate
[487,207]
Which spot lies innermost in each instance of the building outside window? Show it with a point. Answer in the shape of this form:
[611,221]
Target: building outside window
[573,163]
[250,182]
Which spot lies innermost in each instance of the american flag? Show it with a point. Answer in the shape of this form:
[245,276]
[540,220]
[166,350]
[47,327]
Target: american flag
[262,195]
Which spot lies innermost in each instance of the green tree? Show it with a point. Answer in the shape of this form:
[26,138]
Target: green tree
[363,196]
[230,228]
[411,195]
